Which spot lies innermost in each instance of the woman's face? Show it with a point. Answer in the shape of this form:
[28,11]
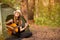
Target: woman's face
[16,14]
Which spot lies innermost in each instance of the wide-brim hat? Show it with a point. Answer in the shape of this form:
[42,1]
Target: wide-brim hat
[18,11]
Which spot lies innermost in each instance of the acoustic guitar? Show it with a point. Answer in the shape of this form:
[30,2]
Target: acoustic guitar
[10,31]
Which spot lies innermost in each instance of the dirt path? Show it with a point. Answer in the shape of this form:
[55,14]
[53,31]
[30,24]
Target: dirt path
[44,33]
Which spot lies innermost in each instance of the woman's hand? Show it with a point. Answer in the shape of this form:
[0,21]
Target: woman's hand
[26,24]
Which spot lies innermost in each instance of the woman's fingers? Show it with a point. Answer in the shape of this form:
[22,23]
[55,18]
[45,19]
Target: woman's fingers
[26,24]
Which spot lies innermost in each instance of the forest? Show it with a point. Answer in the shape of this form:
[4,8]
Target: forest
[43,12]
[38,13]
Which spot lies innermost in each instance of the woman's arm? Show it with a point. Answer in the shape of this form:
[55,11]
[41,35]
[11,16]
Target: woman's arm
[23,22]
[10,27]
[26,25]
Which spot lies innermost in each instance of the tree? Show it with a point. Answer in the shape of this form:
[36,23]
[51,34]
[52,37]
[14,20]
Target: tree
[27,8]
[24,8]
[31,7]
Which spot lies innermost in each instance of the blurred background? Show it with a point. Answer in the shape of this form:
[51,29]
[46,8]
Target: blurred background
[40,12]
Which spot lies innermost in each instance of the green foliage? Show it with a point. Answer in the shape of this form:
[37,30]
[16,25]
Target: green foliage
[13,3]
[48,16]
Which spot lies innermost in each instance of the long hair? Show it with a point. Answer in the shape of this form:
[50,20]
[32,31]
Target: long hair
[15,19]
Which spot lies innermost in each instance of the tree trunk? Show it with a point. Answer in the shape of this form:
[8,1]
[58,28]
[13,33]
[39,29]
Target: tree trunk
[36,8]
[24,8]
[27,8]
[31,7]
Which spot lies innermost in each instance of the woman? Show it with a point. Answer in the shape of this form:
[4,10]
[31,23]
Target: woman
[21,25]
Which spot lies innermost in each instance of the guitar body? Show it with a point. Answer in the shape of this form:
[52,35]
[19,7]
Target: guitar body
[15,28]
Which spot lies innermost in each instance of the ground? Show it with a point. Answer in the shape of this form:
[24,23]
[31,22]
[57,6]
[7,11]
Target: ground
[44,33]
